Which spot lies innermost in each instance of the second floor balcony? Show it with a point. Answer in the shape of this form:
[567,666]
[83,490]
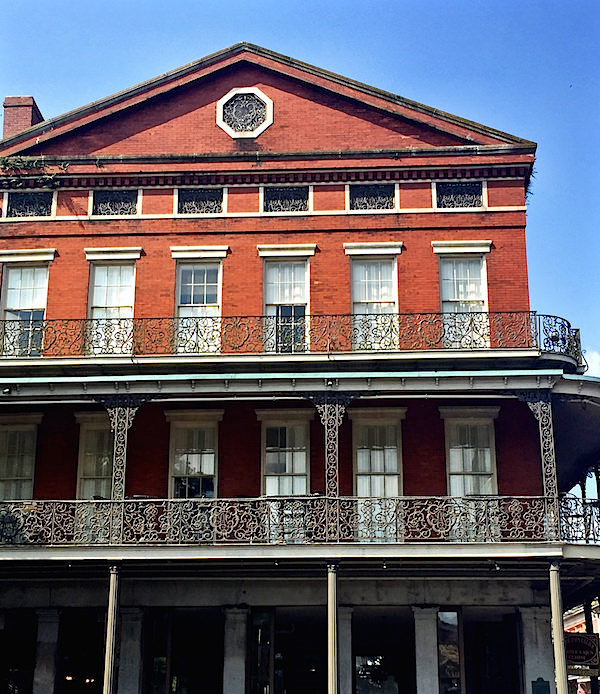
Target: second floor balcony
[289,332]
[297,521]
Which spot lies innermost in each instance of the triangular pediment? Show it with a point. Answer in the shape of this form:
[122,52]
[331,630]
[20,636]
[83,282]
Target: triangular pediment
[313,111]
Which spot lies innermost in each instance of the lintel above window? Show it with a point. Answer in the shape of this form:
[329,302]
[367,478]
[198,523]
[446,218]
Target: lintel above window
[283,415]
[377,415]
[117,253]
[286,250]
[25,418]
[374,248]
[469,412]
[198,252]
[194,415]
[463,246]
[28,255]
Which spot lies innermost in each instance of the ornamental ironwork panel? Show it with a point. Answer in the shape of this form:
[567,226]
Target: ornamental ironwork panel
[286,199]
[580,520]
[200,200]
[459,194]
[29,204]
[115,202]
[244,113]
[292,520]
[372,197]
[324,334]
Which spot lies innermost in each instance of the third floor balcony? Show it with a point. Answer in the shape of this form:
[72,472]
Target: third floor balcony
[288,332]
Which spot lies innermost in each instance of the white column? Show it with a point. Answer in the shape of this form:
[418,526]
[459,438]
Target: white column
[345,663]
[558,637]
[45,657]
[332,630]
[538,661]
[426,650]
[130,663]
[112,615]
[236,637]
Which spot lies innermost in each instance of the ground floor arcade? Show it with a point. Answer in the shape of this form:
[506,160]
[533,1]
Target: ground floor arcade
[264,627]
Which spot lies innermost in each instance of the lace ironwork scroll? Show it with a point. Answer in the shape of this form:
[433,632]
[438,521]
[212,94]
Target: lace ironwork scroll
[541,406]
[459,194]
[200,201]
[331,408]
[292,520]
[38,204]
[286,199]
[244,113]
[372,197]
[115,202]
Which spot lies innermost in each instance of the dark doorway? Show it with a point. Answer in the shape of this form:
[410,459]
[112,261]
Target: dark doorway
[80,652]
[184,651]
[17,651]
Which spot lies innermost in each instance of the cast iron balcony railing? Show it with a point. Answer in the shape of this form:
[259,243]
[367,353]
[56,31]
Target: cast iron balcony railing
[580,520]
[292,334]
[274,520]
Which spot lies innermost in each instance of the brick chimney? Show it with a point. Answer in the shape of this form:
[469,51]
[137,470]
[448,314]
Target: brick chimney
[20,112]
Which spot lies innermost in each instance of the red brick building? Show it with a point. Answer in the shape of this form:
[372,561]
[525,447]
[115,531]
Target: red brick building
[272,387]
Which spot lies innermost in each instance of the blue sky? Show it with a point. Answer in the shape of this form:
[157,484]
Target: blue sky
[528,67]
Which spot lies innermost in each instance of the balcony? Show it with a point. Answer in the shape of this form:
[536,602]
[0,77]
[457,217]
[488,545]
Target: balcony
[276,521]
[322,334]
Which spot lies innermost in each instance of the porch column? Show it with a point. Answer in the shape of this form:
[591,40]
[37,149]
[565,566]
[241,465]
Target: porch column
[560,660]
[130,662]
[426,650]
[345,649]
[541,406]
[536,633]
[236,637]
[121,412]
[111,633]
[331,407]
[332,630]
[45,656]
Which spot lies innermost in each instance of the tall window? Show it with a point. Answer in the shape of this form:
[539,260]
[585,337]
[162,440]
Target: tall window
[285,451]
[374,296]
[17,458]
[95,456]
[470,450]
[286,299]
[198,307]
[377,470]
[193,453]
[464,302]
[25,292]
[111,308]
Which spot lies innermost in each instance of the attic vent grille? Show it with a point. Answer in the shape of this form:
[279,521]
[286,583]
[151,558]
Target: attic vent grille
[459,194]
[287,199]
[29,204]
[115,202]
[200,201]
[244,113]
[372,197]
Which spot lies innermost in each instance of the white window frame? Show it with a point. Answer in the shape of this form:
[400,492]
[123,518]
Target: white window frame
[89,421]
[280,418]
[471,415]
[17,259]
[118,256]
[377,416]
[6,193]
[395,208]
[309,206]
[193,419]
[138,206]
[23,422]
[484,196]
[289,253]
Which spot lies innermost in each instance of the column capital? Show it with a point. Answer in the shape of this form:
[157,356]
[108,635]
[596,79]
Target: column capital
[424,612]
